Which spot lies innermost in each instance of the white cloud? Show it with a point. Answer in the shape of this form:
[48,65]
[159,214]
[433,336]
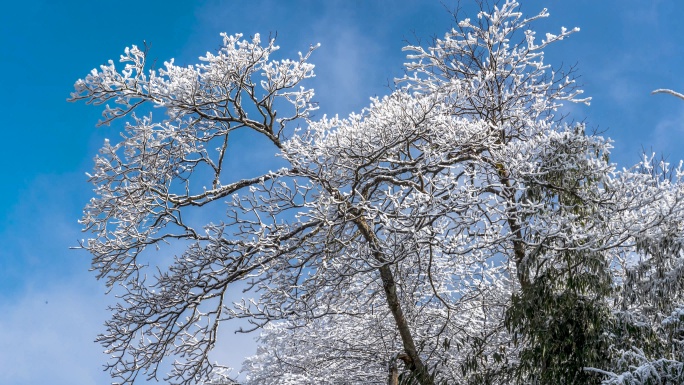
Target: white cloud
[53,308]
[47,335]
[668,133]
[345,66]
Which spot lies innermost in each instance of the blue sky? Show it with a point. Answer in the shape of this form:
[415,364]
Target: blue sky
[52,307]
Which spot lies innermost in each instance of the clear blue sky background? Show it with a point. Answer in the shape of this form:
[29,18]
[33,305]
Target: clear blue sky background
[51,307]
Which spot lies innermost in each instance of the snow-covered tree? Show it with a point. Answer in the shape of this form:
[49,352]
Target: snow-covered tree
[668,91]
[457,226]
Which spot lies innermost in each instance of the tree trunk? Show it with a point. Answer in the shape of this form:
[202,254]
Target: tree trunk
[393,378]
[415,364]
[413,361]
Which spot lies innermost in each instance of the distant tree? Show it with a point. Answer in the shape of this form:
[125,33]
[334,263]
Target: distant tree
[647,331]
[456,225]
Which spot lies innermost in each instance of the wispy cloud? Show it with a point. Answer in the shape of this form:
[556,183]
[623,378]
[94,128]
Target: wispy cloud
[47,335]
[52,307]
[345,66]
[668,132]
